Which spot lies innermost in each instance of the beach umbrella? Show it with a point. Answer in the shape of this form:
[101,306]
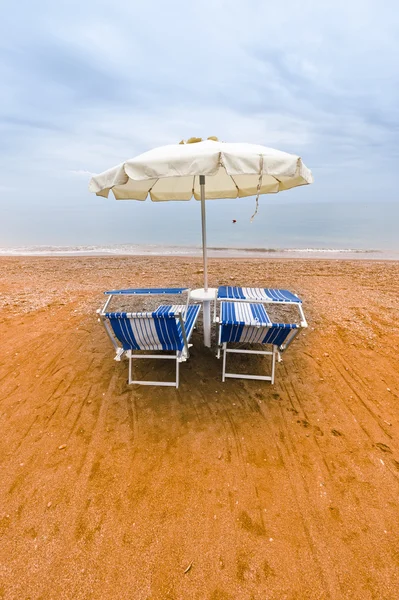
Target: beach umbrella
[204,170]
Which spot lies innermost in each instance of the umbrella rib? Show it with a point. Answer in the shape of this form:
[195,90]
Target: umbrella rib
[150,190]
[237,188]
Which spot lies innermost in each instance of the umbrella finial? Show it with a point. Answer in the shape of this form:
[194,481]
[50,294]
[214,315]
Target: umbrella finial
[195,140]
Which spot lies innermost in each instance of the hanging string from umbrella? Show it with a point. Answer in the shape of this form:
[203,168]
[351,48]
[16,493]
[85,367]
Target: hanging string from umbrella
[258,188]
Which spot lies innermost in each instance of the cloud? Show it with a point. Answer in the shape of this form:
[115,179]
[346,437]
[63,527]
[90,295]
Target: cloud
[84,87]
[82,173]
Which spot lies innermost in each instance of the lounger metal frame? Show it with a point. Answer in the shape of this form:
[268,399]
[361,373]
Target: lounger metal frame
[272,353]
[179,356]
[276,351]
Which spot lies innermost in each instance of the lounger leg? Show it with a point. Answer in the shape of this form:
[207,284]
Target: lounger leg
[272,353]
[177,371]
[273,363]
[132,381]
[224,362]
[130,367]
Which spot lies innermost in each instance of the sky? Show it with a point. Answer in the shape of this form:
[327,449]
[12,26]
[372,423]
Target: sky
[88,84]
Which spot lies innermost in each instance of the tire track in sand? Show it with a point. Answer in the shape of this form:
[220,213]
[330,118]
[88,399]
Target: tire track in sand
[77,503]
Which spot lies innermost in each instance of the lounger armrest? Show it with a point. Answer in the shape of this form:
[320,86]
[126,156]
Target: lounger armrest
[183,330]
[187,303]
[289,340]
[303,322]
[146,291]
[103,310]
[108,330]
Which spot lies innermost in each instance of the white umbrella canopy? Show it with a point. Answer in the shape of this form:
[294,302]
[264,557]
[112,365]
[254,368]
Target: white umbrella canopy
[204,170]
[232,170]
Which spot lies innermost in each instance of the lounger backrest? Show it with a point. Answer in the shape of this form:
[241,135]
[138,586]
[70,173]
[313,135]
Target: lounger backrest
[250,323]
[159,330]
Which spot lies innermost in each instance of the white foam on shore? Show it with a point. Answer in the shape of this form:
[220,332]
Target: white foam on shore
[157,250]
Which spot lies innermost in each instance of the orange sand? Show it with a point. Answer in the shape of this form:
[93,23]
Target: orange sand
[288,491]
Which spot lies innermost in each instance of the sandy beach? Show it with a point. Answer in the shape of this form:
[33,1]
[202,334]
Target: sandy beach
[235,491]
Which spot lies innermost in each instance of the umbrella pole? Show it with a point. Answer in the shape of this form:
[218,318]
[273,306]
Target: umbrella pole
[203,219]
[206,306]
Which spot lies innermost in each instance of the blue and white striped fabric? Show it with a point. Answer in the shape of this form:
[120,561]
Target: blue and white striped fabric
[159,330]
[250,323]
[244,313]
[227,292]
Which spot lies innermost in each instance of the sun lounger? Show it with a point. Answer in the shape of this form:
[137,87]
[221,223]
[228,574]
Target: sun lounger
[244,320]
[168,328]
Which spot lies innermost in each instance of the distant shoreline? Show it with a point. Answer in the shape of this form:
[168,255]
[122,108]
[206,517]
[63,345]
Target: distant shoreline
[108,251]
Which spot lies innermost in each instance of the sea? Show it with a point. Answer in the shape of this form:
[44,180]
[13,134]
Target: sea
[196,251]
[328,230]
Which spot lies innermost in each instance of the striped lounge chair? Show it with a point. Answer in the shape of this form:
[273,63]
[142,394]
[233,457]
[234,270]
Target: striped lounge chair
[244,319]
[168,329]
